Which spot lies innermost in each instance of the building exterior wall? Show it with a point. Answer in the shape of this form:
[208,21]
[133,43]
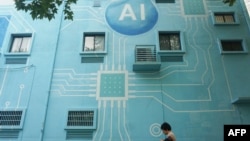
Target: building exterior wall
[197,89]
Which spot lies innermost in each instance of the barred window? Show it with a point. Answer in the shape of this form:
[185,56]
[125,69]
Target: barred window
[224,18]
[80,118]
[145,53]
[10,118]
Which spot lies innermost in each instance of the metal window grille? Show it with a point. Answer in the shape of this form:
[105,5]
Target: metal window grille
[224,18]
[10,118]
[81,118]
[229,18]
[145,54]
[219,19]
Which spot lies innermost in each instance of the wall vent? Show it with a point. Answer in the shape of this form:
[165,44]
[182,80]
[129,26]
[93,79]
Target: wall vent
[92,59]
[171,58]
[164,1]
[15,60]
[8,134]
[97,3]
[79,134]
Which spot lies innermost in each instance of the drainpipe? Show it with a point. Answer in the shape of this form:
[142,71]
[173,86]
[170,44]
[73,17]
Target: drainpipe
[51,76]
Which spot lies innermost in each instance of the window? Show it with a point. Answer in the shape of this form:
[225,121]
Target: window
[81,124]
[164,1]
[20,44]
[81,119]
[171,46]
[11,119]
[169,41]
[94,42]
[225,18]
[232,46]
[94,47]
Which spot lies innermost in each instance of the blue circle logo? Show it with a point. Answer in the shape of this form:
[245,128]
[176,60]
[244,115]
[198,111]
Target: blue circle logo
[131,17]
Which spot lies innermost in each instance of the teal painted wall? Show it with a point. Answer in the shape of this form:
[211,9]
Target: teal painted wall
[194,95]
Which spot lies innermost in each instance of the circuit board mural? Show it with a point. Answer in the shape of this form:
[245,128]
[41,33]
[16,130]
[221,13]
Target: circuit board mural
[86,85]
[132,104]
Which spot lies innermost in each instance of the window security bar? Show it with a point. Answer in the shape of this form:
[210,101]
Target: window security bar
[10,118]
[80,118]
[145,54]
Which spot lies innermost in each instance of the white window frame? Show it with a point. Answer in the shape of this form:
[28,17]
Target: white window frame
[22,47]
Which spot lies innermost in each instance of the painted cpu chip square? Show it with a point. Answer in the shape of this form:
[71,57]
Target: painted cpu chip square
[112,85]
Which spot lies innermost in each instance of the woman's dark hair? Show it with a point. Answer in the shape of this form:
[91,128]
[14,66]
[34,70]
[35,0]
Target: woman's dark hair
[165,126]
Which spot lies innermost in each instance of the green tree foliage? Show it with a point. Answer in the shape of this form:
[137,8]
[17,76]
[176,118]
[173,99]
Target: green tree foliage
[40,9]
[230,2]
[47,9]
